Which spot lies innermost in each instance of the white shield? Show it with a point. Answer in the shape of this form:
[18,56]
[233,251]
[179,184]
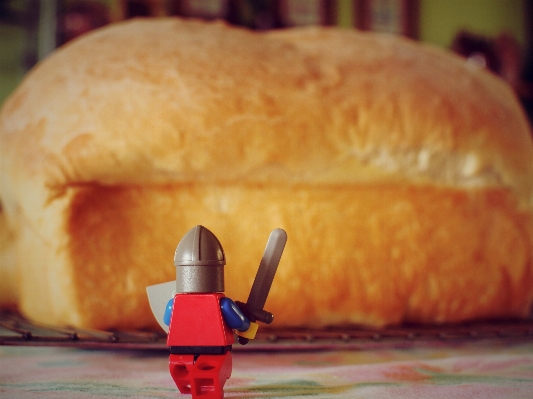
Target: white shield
[158,296]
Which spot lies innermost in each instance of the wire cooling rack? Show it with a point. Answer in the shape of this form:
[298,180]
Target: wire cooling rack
[15,330]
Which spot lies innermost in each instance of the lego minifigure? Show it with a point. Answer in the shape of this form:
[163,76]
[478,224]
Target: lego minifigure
[201,318]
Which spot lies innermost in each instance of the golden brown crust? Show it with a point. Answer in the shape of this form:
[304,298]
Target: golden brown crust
[414,166]
[348,99]
[427,112]
[368,254]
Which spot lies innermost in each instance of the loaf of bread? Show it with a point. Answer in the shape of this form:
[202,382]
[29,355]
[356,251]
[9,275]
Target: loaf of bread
[402,175]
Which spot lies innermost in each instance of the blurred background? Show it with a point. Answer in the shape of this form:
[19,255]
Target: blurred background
[494,34]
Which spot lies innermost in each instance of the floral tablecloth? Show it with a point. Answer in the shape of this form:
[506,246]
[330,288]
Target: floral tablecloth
[496,369]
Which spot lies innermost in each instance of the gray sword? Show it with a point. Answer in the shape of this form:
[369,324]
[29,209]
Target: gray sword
[254,306]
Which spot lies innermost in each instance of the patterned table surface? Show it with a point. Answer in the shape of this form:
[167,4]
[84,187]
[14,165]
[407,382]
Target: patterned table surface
[480,369]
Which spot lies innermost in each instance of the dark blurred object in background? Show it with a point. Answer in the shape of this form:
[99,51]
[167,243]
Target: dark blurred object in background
[478,50]
[79,17]
[259,14]
[399,17]
[503,56]
[526,86]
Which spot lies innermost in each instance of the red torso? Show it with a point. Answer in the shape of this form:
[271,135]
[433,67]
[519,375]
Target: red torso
[197,321]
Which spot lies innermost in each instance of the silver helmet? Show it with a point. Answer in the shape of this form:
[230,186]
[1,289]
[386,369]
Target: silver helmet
[199,261]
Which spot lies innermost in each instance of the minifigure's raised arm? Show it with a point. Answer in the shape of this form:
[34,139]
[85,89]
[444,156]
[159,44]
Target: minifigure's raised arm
[233,316]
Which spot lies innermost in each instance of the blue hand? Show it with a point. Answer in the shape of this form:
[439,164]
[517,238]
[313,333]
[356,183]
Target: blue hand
[233,316]
[168,312]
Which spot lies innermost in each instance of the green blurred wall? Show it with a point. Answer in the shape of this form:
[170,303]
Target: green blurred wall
[441,19]
[12,44]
